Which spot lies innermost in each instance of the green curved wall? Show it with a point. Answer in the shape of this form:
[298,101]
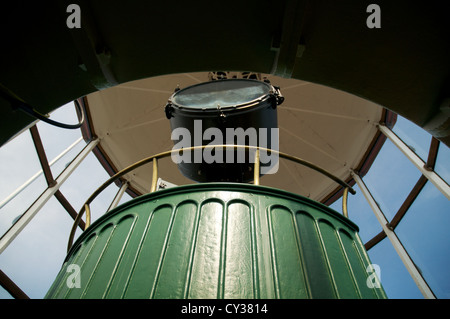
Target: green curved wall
[218,241]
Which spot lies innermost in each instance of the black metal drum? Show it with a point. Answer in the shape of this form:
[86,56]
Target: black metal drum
[231,111]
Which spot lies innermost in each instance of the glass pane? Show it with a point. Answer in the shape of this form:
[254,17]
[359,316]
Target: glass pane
[224,93]
[103,200]
[13,210]
[337,205]
[4,294]
[19,164]
[65,160]
[35,257]
[395,278]
[442,166]
[414,136]
[391,179]
[361,214]
[424,233]
[87,178]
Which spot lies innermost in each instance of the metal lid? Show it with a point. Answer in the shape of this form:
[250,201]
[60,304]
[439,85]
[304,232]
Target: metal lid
[221,94]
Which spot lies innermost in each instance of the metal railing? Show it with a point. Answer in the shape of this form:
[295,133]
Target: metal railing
[154,159]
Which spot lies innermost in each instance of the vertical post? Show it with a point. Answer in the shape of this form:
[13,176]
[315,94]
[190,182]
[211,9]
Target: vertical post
[155,175]
[431,175]
[344,203]
[256,168]
[401,251]
[15,229]
[87,208]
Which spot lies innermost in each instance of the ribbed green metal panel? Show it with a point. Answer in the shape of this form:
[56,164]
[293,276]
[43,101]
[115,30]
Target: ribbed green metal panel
[218,240]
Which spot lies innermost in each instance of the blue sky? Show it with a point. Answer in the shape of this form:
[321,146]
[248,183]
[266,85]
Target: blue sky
[35,256]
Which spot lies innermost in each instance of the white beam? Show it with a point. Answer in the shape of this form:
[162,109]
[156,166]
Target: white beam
[401,251]
[23,221]
[431,175]
[118,196]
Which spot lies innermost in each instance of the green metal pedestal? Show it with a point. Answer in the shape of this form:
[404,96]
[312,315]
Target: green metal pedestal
[218,240]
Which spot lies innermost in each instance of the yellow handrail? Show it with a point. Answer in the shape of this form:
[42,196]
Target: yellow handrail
[256,168]
[155,175]
[154,159]
[344,202]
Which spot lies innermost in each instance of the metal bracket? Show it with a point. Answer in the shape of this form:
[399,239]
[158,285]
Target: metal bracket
[169,110]
[221,114]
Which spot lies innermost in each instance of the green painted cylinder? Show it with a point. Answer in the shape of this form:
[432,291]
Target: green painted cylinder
[218,240]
